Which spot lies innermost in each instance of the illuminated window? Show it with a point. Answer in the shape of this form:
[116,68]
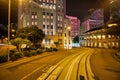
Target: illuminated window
[43,16]
[32,16]
[44,23]
[41,5]
[51,23]
[35,16]
[54,7]
[58,6]
[103,36]
[48,16]
[32,23]
[47,0]
[109,36]
[50,6]
[28,23]
[54,1]
[35,23]
[117,44]
[113,44]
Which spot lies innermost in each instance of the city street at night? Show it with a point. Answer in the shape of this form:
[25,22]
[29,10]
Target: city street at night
[75,64]
[59,39]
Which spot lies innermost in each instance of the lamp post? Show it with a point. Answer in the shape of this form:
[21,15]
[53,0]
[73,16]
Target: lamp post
[8,27]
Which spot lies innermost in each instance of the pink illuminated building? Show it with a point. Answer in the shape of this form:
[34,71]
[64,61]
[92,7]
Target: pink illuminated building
[96,20]
[75,22]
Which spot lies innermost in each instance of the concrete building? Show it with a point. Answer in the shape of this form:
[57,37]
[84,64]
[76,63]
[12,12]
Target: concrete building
[107,36]
[75,23]
[100,38]
[75,29]
[67,34]
[47,15]
[95,20]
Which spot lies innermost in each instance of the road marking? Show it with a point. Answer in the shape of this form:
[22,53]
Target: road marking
[46,68]
[33,72]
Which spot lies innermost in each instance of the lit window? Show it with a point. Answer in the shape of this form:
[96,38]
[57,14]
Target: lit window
[44,23]
[32,16]
[48,17]
[58,6]
[28,23]
[47,0]
[54,7]
[54,1]
[43,16]
[109,36]
[35,23]
[32,23]
[51,23]
[51,17]
[35,16]
[103,36]
[41,5]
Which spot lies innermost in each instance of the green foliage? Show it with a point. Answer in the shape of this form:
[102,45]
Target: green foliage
[55,49]
[19,41]
[16,56]
[39,51]
[33,52]
[3,58]
[48,49]
[76,39]
[34,34]
[27,54]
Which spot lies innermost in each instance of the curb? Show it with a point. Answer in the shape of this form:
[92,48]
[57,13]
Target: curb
[116,57]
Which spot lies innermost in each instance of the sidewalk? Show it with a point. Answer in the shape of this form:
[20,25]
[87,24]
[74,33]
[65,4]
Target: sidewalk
[24,60]
[117,56]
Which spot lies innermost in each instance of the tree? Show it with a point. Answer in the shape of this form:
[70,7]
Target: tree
[18,42]
[76,39]
[34,34]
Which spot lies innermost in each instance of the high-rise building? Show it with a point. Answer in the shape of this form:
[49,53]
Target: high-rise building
[67,34]
[75,23]
[47,15]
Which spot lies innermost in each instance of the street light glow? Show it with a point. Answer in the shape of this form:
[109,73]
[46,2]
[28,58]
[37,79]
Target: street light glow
[69,28]
[114,24]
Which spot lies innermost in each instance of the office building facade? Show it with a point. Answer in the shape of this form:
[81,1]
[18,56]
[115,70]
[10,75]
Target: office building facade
[47,15]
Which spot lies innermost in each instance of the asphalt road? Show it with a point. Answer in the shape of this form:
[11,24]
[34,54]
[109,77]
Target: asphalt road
[104,64]
[75,64]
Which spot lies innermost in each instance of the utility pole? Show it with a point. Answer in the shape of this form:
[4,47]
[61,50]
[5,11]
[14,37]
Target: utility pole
[8,28]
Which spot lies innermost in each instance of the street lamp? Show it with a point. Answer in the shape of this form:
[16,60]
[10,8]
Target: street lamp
[8,27]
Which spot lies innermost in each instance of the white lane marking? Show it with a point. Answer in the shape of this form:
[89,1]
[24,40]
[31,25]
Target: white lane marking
[33,72]
[90,73]
[72,65]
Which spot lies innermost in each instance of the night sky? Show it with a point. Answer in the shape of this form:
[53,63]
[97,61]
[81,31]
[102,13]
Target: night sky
[77,8]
